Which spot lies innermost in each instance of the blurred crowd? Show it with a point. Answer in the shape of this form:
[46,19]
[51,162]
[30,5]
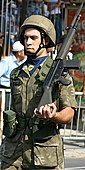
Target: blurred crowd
[11,50]
[11,18]
[52,9]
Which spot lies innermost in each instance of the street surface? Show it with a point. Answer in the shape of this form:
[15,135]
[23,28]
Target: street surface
[75,164]
[74,154]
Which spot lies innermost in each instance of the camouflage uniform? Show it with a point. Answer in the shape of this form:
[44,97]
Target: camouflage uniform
[26,91]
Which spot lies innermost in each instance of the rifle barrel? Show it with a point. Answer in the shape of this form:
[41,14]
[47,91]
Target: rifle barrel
[68,40]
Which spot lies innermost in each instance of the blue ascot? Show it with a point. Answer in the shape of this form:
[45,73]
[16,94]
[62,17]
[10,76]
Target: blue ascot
[35,63]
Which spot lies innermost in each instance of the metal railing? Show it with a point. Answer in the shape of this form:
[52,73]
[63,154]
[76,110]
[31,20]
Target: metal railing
[3,105]
[76,129]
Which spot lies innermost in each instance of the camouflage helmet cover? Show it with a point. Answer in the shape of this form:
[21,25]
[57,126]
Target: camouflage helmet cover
[42,23]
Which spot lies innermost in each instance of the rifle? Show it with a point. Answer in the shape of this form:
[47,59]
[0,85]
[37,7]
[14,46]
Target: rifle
[59,65]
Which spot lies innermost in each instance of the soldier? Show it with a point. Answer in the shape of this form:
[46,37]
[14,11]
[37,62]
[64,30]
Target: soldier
[34,141]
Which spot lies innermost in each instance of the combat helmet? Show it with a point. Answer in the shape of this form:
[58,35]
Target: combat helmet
[41,23]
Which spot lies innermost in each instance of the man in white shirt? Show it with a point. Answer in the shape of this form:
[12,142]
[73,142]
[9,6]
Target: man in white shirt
[16,58]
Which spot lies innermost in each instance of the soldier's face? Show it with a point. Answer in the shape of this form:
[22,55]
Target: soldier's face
[32,40]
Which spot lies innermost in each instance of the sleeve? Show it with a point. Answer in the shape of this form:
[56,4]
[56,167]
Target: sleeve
[67,94]
[3,67]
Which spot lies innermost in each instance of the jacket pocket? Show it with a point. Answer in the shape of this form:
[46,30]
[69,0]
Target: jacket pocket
[45,154]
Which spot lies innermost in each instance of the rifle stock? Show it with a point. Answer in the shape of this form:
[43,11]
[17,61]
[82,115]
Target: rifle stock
[60,64]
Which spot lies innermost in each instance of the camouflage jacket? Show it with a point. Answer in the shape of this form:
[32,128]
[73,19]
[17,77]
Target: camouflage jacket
[26,90]
[45,143]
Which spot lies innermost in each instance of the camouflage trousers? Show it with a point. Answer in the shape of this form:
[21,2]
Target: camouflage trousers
[17,156]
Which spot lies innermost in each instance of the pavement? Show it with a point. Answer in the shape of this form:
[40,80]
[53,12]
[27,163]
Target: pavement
[74,151]
[74,145]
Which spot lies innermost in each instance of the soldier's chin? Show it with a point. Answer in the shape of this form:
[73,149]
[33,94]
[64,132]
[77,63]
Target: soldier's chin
[29,53]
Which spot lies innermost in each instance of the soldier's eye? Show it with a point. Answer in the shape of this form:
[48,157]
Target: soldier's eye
[33,37]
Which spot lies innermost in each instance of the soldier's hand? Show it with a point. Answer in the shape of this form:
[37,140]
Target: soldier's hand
[47,112]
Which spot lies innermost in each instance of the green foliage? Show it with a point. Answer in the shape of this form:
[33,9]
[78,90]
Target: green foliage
[79,56]
[79,83]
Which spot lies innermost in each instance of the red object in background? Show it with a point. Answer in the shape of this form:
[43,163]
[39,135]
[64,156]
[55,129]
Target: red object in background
[79,75]
[79,47]
[79,41]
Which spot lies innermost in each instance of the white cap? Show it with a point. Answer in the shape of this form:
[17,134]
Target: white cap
[17,46]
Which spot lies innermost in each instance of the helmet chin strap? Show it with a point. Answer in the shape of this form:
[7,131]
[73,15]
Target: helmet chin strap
[34,55]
